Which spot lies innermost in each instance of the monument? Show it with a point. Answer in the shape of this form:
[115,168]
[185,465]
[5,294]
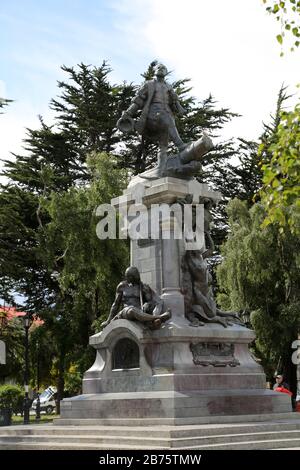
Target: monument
[167,353]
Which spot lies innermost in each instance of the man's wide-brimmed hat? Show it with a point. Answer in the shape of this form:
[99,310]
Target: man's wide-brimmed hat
[126,124]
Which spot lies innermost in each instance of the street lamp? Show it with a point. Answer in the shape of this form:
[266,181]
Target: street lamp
[38,403]
[26,319]
[2,343]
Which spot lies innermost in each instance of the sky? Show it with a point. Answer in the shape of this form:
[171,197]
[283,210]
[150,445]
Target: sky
[227,48]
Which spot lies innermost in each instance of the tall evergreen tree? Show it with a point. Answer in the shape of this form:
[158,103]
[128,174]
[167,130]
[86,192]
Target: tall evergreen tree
[260,268]
[242,176]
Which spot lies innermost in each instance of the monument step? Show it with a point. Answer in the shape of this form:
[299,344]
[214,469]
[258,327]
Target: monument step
[104,439]
[143,422]
[264,435]
[161,431]
[243,445]
[155,442]
[69,446]
[272,444]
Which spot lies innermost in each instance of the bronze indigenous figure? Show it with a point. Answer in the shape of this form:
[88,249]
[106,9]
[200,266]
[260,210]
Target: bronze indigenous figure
[199,299]
[136,301]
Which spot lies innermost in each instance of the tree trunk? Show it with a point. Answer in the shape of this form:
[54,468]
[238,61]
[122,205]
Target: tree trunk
[298,370]
[60,382]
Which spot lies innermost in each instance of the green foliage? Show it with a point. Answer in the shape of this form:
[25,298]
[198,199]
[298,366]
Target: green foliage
[287,13]
[247,256]
[44,419]
[277,333]
[88,109]
[260,269]
[85,268]
[281,174]
[10,396]
[73,381]
[19,268]
[261,272]
[243,179]
[42,351]
[4,102]
[279,38]
[13,336]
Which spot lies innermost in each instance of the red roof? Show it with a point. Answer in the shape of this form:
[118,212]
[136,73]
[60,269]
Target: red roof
[12,312]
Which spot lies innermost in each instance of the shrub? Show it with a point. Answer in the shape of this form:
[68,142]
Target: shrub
[10,396]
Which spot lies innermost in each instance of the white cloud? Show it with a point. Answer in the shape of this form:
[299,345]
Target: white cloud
[228,48]
[13,123]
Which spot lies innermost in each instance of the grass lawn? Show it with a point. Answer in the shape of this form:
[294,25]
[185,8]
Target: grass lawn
[44,419]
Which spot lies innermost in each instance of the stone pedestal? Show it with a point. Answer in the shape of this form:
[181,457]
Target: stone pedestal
[178,371]
[159,260]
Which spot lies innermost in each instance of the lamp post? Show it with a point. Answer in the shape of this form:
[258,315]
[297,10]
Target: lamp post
[26,371]
[38,403]
[2,343]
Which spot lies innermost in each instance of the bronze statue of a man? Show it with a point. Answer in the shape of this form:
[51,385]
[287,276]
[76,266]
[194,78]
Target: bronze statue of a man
[158,102]
[137,301]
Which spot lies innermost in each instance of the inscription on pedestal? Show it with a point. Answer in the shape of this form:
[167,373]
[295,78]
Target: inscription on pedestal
[214,354]
[126,355]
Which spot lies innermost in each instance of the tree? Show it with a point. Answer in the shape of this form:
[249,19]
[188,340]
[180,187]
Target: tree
[260,268]
[69,244]
[12,333]
[287,13]
[4,102]
[55,162]
[244,178]
[85,268]
[260,273]
[281,174]
[241,179]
